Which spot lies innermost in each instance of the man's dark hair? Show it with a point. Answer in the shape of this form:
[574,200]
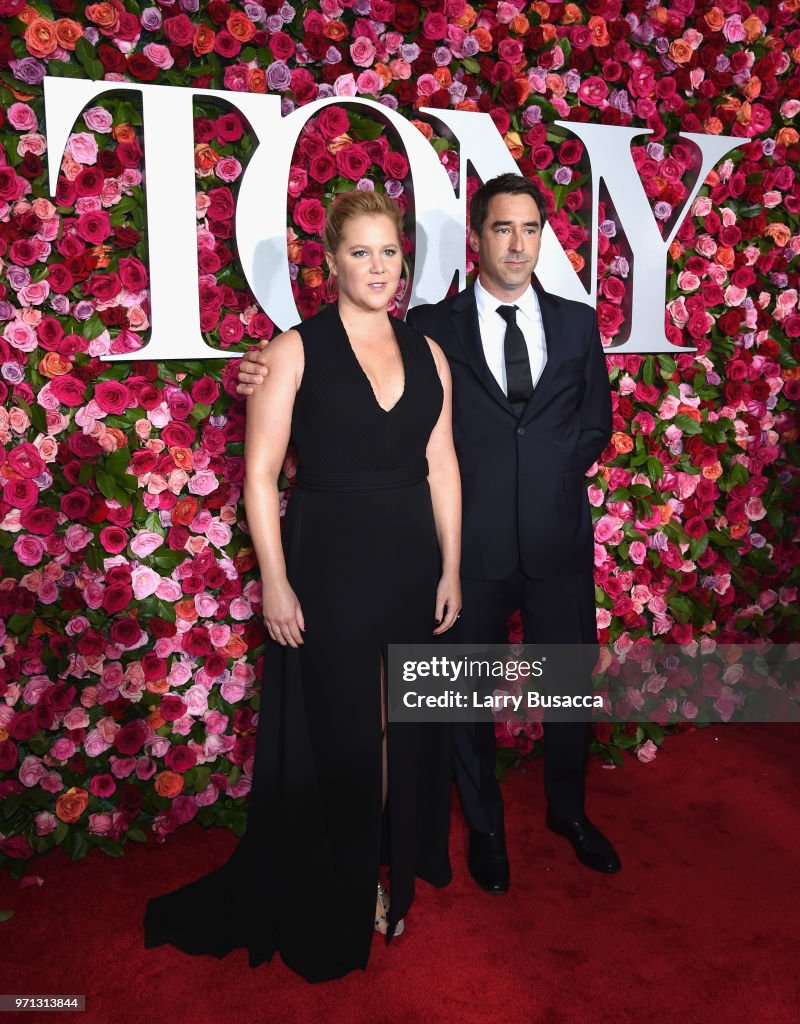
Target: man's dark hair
[504,184]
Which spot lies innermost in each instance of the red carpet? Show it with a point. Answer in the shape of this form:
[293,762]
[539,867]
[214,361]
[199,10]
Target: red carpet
[700,925]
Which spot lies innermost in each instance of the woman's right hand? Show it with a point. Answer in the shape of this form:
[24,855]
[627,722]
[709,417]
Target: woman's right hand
[283,616]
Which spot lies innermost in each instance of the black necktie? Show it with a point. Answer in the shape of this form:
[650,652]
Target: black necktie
[519,382]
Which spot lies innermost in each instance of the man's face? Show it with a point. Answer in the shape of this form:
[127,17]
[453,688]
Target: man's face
[508,245]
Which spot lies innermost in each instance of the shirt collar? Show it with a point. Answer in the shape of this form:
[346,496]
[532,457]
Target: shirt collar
[487,304]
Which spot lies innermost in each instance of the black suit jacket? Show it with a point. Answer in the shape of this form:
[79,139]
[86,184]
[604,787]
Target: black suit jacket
[523,487]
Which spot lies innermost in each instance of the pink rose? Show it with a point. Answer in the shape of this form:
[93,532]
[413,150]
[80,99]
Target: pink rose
[82,147]
[29,550]
[145,543]
[646,751]
[362,51]
[593,91]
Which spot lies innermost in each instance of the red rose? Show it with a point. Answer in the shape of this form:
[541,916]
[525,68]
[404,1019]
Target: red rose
[226,45]
[395,165]
[25,460]
[353,162]
[333,121]
[435,26]
[322,167]
[41,521]
[91,643]
[229,128]
[126,632]
[215,665]
[104,286]
[111,59]
[222,206]
[102,786]
[172,707]
[59,278]
[179,30]
[205,390]
[154,667]
[609,318]
[196,641]
[140,67]
[180,758]
[281,45]
[75,503]
[117,597]
[113,539]
[89,182]
[696,527]
[131,738]
[303,85]
[309,215]
[94,227]
[406,17]
[133,273]
[112,396]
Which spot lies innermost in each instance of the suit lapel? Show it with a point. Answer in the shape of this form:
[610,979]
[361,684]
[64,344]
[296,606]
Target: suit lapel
[464,317]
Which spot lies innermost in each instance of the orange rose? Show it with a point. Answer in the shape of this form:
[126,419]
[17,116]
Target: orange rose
[739,530]
[483,37]
[572,15]
[123,132]
[523,89]
[443,77]
[469,105]
[185,510]
[168,784]
[548,31]
[240,26]
[154,719]
[712,472]
[577,261]
[295,250]
[335,30]
[622,442]
[40,37]
[713,125]
[519,25]
[205,157]
[754,28]
[383,72]
[312,277]
[665,512]
[426,129]
[157,686]
[185,609]
[68,32]
[715,19]
[340,142]
[468,18]
[787,137]
[257,80]
[234,648]
[182,457]
[779,233]
[752,88]
[691,412]
[71,805]
[120,437]
[103,15]
[53,365]
[542,9]
[680,51]
[599,30]
[203,41]
[514,144]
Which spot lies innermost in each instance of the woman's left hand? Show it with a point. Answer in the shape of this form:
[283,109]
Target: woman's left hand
[448,602]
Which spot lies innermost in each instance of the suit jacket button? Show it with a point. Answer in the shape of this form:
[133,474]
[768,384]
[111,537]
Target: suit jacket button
[520,431]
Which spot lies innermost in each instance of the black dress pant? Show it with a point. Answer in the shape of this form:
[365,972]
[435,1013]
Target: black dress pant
[554,611]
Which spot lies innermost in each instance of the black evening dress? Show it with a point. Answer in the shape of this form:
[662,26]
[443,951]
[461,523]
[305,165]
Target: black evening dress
[363,558]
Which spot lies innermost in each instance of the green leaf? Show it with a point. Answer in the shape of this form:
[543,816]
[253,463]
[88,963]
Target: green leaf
[655,468]
[6,915]
[16,624]
[687,424]
[136,834]
[649,371]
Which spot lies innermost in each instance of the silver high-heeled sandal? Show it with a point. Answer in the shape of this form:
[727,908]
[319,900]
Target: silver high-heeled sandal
[381,923]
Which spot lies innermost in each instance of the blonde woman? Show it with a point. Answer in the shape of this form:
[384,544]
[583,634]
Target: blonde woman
[369,556]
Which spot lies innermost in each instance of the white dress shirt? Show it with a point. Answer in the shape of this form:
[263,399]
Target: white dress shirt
[493,332]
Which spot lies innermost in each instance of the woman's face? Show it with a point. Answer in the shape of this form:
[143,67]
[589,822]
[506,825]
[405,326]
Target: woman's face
[368,261]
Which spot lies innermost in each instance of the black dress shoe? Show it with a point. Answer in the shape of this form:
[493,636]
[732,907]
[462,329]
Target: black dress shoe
[488,860]
[590,845]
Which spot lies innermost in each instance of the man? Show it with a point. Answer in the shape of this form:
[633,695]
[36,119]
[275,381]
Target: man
[531,413]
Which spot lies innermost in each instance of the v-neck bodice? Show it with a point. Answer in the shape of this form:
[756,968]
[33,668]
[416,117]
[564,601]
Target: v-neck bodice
[338,426]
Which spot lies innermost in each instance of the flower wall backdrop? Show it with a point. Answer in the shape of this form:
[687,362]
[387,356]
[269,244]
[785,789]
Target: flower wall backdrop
[131,621]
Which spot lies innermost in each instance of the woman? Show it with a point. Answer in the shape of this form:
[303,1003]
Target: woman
[369,556]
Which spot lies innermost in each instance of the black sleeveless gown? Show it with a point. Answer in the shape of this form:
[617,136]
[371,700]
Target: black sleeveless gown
[363,558]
